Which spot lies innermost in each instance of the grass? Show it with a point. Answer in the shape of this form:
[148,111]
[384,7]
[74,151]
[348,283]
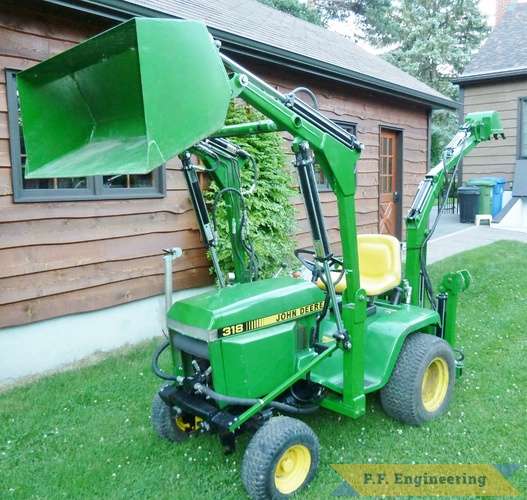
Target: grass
[86,433]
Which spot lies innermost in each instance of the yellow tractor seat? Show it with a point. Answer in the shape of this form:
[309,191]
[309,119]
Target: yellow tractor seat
[379,264]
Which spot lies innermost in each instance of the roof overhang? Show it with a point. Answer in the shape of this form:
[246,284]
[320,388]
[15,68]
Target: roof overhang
[265,53]
[489,77]
[119,10]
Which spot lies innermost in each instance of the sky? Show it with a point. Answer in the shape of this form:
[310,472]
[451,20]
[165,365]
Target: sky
[487,7]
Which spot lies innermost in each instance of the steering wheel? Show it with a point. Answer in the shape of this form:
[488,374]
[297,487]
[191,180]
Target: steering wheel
[314,267]
[308,264]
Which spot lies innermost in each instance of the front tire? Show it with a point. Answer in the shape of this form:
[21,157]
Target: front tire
[422,382]
[281,459]
[171,423]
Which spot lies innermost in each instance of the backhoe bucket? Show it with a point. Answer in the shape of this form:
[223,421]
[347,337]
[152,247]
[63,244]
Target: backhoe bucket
[123,102]
[490,124]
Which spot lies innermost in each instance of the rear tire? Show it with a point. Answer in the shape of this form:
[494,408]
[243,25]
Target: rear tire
[422,382]
[281,459]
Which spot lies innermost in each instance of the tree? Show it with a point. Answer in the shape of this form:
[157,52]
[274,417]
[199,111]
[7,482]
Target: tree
[297,9]
[432,40]
[271,210]
[341,10]
[321,12]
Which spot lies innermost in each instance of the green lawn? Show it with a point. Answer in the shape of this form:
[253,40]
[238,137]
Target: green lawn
[86,433]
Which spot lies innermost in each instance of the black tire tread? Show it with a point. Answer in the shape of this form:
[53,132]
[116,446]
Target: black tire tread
[164,421]
[401,397]
[267,446]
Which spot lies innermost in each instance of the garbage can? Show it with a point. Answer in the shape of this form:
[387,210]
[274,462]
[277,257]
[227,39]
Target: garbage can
[497,193]
[485,194]
[468,203]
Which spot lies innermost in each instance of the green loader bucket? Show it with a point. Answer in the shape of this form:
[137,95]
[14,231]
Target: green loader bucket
[123,102]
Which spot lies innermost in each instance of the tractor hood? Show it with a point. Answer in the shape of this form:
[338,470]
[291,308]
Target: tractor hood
[241,308]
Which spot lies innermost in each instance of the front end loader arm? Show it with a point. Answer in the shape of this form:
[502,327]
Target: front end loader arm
[155,119]
[223,161]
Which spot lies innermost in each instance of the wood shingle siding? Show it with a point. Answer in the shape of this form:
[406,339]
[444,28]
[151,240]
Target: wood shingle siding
[60,257]
[73,257]
[495,158]
[65,257]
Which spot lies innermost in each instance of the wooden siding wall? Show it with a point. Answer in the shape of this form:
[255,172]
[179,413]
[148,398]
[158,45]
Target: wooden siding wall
[370,113]
[495,158]
[60,258]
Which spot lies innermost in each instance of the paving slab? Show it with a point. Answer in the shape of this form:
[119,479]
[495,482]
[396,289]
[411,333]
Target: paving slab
[451,236]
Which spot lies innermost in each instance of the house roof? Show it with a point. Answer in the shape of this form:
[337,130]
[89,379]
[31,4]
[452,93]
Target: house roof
[504,54]
[253,29]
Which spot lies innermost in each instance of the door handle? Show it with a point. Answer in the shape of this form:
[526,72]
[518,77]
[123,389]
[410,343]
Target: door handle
[395,196]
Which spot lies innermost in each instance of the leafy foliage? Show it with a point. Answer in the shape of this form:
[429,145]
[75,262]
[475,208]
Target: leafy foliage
[444,125]
[297,9]
[432,40]
[321,12]
[341,10]
[271,212]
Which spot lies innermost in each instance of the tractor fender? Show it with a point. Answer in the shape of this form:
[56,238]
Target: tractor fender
[385,334]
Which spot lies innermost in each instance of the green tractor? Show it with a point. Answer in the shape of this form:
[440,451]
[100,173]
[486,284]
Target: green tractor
[251,350]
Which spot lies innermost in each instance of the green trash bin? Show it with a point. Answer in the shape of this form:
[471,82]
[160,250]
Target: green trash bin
[497,193]
[486,188]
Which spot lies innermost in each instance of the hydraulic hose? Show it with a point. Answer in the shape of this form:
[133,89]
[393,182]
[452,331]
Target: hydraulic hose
[293,93]
[155,361]
[428,282]
[250,402]
[226,399]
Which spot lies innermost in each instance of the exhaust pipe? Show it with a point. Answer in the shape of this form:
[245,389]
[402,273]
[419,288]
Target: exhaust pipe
[171,254]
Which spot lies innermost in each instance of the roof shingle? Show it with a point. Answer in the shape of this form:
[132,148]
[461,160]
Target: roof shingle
[271,33]
[505,50]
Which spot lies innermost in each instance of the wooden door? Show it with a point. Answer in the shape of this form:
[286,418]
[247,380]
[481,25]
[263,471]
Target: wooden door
[388,194]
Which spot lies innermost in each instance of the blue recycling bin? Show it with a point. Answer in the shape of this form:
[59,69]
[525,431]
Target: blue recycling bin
[498,186]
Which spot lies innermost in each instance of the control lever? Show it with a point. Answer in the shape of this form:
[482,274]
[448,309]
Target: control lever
[283,265]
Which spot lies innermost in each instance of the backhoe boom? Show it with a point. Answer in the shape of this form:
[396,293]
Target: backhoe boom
[478,127]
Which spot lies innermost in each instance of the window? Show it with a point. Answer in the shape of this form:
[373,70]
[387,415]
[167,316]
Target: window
[151,185]
[388,157]
[522,125]
[322,182]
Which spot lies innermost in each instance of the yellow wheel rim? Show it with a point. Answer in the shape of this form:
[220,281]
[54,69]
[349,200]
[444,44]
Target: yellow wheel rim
[435,384]
[189,424]
[292,469]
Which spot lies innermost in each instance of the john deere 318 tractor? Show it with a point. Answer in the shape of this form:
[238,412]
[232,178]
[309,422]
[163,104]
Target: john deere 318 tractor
[251,350]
